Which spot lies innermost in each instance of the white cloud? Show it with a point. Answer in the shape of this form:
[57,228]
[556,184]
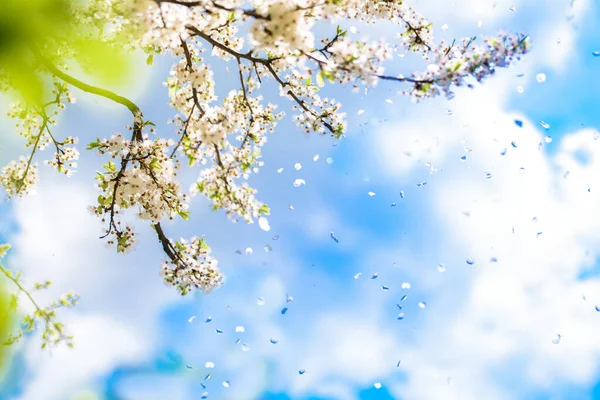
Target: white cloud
[114,321]
[102,342]
[505,314]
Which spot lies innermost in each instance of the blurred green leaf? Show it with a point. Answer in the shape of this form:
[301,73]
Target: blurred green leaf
[56,29]
[7,318]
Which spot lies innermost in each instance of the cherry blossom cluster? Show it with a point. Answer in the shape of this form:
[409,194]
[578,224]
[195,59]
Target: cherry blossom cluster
[284,26]
[143,177]
[33,124]
[19,178]
[53,330]
[194,267]
[455,64]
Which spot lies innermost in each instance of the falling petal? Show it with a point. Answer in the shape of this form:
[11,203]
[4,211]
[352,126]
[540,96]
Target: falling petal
[240,329]
[276,237]
[375,275]
[268,248]
[422,304]
[289,299]
[388,101]
[441,267]
[548,139]
[190,319]
[226,384]
[263,223]
[249,250]
[470,261]
[556,339]
[488,175]
[291,207]
[393,204]
[377,385]
[385,288]
[245,347]
[218,331]
[513,8]
[403,297]
[316,158]
[463,158]
[280,170]
[541,77]
[302,372]
[513,144]
[209,364]
[299,182]
[479,23]
[399,306]
[397,365]
[400,316]
[401,194]
[208,319]
[260,301]
[238,251]
[545,125]
[503,153]
[357,275]
[273,340]
[284,310]
[329,160]
[188,366]
[405,285]
[207,377]
[371,194]
[204,395]
[297,166]
[493,259]
[596,53]
[360,112]
[332,235]
[519,123]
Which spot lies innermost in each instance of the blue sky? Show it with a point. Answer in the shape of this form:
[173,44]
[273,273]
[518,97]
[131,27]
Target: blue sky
[486,330]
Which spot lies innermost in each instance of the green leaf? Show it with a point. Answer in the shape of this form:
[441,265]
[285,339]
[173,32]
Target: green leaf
[94,145]
[320,79]
[264,209]
[150,59]
[154,164]
[104,61]
[111,166]
[4,249]
[184,214]
[330,76]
